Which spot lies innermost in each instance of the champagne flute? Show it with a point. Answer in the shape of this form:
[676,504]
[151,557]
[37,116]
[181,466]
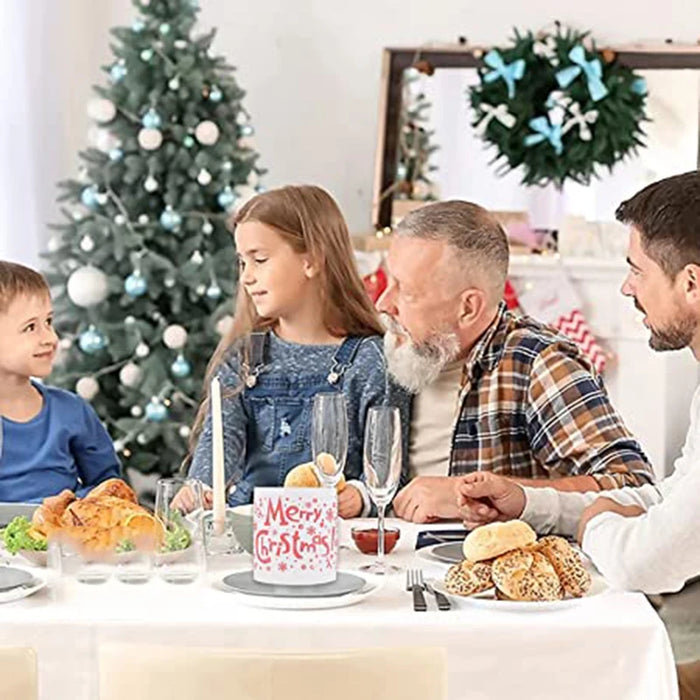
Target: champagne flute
[329,437]
[382,470]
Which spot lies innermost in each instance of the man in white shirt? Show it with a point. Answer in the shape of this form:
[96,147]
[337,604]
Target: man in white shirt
[639,538]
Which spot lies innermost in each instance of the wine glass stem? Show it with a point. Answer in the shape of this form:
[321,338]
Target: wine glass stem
[380,533]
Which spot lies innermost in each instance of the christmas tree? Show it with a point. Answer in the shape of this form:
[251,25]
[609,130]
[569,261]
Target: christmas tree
[142,268]
[415,147]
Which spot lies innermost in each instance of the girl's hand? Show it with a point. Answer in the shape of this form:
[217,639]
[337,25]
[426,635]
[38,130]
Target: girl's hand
[349,502]
[184,500]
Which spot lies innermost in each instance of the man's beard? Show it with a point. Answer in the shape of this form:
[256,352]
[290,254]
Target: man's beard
[677,334]
[415,366]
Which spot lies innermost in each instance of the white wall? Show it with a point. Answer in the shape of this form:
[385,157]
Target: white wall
[311,69]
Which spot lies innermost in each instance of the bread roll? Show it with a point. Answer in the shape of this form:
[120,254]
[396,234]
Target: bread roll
[468,578]
[489,541]
[574,578]
[526,575]
[304,475]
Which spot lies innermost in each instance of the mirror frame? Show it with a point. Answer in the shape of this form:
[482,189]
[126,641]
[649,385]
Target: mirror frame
[396,60]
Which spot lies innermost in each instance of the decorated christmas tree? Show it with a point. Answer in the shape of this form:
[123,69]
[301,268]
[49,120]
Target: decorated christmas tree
[143,268]
[415,148]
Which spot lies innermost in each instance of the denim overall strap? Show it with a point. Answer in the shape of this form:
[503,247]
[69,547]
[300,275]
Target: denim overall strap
[343,358]
[258,357]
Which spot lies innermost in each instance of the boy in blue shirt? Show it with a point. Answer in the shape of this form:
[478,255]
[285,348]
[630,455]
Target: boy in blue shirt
[50,439]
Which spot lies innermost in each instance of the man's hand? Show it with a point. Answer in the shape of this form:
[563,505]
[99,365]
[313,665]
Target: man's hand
[605,505]
[349,502]
[427,499]
[483,497]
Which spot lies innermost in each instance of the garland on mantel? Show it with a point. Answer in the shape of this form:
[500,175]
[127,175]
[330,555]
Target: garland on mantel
[556,107]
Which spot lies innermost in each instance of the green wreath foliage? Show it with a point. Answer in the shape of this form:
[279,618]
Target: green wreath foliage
[537,92]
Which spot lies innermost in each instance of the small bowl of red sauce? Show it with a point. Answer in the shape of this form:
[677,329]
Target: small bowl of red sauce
[366,539]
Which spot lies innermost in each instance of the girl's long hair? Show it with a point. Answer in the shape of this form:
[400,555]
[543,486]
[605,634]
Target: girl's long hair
[311,222]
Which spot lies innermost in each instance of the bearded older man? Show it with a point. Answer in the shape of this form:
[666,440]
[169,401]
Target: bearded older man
[494,392]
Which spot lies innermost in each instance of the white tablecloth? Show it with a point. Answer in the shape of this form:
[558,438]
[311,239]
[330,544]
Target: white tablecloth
[609,646]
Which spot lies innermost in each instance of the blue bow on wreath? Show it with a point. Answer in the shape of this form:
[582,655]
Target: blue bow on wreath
[510,72]
[591,69]
[545,132]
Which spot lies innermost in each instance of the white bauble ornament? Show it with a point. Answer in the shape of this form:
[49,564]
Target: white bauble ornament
[87,388]
[53,245]
[102,139]
[141,439]
[142,350]
[196,258]
[119,220]
[101,110]
[253,178]
[87,244]
[130,374]
[150,139]
[88,286]
[175,336]
[207,133]
[169,282]
[118,445]
[174,83]
[65,343]
[136,411]
[143,218]
[204,177]
[150,184]
[184,431]
[129,320]
[224,324]
[201,290]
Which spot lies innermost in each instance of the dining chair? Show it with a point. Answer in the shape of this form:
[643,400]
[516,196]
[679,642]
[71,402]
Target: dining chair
[18,679]
[133,672]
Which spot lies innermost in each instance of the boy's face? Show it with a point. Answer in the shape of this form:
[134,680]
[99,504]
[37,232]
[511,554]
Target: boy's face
[27,338]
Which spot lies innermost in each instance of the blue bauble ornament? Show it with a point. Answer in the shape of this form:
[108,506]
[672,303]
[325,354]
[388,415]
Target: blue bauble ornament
[138,25]
[117,72]
[170,219]
[89,197]
[181,367]
[156,411]
[116,154]
[247,130]
[135,284]
[92,341]
[214,292]
[215,95]
[226,198]
[151,120]
[188,141]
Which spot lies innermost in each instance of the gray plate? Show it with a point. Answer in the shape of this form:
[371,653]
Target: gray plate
[450,552]
[13,578]
[242,582]
[8,511]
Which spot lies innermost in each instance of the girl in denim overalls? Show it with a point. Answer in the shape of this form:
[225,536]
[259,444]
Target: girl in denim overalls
[303,324]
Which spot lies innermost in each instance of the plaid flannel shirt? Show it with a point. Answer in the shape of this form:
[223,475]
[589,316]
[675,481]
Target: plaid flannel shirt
[532,406]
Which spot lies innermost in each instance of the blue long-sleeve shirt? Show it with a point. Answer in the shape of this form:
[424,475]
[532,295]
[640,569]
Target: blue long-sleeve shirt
[63,447]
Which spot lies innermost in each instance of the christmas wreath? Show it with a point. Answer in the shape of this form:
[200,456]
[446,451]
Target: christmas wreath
[557,107]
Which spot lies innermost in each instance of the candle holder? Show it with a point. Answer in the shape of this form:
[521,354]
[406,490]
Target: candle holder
[224,542]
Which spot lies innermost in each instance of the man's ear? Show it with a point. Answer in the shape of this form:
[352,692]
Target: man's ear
[472,303]
[691,283]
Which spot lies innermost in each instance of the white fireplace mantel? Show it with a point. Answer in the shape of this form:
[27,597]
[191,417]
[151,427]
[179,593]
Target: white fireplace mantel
[651,390]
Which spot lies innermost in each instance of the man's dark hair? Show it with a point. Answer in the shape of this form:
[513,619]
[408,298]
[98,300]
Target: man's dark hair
[667,216]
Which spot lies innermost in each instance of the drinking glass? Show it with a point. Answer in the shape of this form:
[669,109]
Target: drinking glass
[382,470]
[329,436]
[181,557]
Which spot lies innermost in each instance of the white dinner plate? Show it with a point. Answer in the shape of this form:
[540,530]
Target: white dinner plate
[486,599]
[243,582]
[34,584]
[444,553]
[372,585]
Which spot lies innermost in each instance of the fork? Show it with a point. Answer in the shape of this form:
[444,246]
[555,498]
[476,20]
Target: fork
[413,585]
